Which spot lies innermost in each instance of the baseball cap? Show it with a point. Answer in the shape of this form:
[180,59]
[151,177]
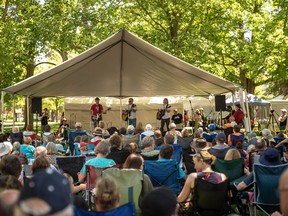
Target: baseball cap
[221,137]
[49,186]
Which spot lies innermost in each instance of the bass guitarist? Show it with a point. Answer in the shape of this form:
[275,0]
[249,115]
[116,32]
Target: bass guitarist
[130,113]
[96,112]
[165,112]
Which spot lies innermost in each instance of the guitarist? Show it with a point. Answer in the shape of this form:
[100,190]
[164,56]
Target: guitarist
[130,110]
[165,109]
[96,112]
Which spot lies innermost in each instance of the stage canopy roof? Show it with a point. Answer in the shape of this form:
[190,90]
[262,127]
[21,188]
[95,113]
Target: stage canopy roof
[122,66]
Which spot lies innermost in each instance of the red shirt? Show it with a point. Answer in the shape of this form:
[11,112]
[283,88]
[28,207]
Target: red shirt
[239,115]
[96,109]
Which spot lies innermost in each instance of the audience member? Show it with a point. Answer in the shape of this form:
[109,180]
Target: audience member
[135,161]
[220,149]
[16,151]
[148,148]
[52,153]
[5,147]
[161,201]
[148,132]
[8,200]
[202,161]
[77,198]
[107,196]
[117,154]
[101,151]
[283,190]
[269,157]
[40,163]
[46,193]
[28,149]
[130,130]
[98,137]
[11,165]
[139,128]
[173,131]
[8,182]
[236,136]
[159,140]
[41,151]
[16,135]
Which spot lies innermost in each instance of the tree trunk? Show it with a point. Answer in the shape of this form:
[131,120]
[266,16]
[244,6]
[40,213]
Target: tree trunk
[29,72]
[247,83]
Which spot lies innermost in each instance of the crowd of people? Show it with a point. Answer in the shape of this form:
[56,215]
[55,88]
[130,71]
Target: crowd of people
[50,191]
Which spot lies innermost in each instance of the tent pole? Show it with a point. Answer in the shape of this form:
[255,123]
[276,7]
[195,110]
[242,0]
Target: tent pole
[120,112]
[247,112]
[2,110]
[27,109]
[13,108]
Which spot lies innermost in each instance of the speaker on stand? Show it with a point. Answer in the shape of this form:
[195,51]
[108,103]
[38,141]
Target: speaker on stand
[220,105]
[36,107]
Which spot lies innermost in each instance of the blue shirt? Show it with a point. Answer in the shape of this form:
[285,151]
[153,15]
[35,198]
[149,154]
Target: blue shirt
[98,162]
[28,150]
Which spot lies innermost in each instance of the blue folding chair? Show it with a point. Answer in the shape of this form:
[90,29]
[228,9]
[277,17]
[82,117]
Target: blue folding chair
[177,154]
[124,210]
[234,139]
[163,173]
[266,180]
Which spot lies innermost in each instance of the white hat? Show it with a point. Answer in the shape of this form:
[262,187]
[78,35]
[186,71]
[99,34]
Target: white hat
[5,148]
[148,127]
[284,110]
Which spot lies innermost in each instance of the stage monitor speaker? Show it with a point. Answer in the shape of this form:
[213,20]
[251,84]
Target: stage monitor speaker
[220,103]
[37,105]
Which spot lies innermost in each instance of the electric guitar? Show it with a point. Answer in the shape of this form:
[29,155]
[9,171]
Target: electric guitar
[98,116]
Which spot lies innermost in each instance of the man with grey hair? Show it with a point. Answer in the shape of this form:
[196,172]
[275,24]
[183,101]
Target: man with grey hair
[148,149]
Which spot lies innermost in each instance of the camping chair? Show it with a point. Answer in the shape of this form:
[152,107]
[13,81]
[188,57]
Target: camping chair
[266,180]
[185,142]
[124,210]
[72,135]
[71,165]
[188,163]
[209,198]
[27,171]
[233,169]
[209,137]
[92,174]
[130,182]
[163,173]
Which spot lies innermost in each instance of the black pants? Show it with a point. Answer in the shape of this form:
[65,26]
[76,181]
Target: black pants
[163,122]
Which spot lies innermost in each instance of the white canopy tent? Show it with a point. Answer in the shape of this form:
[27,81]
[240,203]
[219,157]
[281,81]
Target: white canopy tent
[122,65]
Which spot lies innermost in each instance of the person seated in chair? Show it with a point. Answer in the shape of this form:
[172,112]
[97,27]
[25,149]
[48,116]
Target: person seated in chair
[220,149]
[236,136]
[165,154]
[117,153]
[148,148]
[202,161]
[159,140]
[107,195]
[269,157]
[101,151]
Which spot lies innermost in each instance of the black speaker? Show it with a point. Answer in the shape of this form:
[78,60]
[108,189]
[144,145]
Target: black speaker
[220,103]
[36,105]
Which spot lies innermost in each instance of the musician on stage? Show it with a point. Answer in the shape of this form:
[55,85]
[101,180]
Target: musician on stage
[44,119]
[283,119]
[96,112]
[130,110]
[166,115]
[238,114]
[177,118]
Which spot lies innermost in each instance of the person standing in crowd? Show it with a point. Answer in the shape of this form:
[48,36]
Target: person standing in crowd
[44,119]
[165,109]
[130,111]
[198,119]
[96,112]
[186,118]
[283,119]
[239,115]
[177,119]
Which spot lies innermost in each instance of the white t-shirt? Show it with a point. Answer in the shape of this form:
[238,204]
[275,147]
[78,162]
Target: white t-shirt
[167,107]
[132,113]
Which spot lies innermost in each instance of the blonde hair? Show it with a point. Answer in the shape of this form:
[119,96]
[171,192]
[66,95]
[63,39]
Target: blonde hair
[232,154]
[15,129]
[27,140]
[107,194]
[205,156]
